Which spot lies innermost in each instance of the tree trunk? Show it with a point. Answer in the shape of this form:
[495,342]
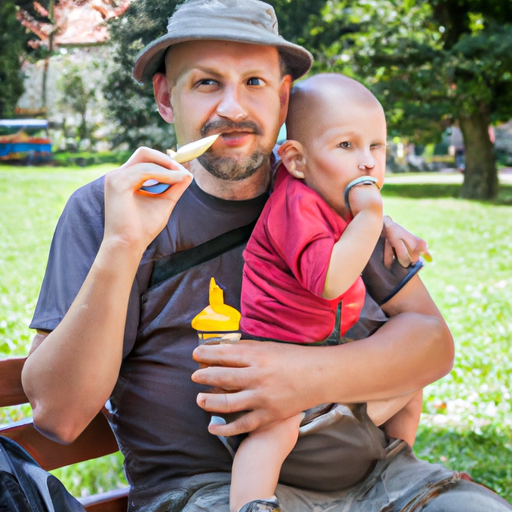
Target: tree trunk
[47,59]
[82,129]
[44,91]
[480,174]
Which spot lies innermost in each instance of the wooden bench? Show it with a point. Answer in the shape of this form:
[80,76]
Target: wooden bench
[97,440]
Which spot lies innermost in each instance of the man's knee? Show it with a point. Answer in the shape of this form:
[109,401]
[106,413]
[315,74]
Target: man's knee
[467,496]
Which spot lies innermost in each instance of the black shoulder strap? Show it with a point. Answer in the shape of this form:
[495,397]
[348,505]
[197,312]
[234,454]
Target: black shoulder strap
[169,266]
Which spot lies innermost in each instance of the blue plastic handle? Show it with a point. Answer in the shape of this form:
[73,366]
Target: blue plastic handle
[157,188]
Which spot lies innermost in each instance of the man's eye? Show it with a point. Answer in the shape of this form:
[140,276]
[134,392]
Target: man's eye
[207,82]
[254,81]
[345,144]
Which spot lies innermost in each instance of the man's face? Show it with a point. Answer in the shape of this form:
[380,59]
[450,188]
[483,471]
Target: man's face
[233,89]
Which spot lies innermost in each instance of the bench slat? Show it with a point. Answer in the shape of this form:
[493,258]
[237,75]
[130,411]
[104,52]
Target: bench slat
[95,441]
[11,390]
[111,501]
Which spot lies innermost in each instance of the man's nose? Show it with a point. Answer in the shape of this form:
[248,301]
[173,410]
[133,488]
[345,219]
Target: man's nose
[230,106]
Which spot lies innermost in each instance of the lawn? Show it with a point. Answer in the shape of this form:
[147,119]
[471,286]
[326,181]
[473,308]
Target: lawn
[467,415]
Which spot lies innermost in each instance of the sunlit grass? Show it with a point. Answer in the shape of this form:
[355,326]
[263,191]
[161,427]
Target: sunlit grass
[31,200]
[470,280]
[467,414]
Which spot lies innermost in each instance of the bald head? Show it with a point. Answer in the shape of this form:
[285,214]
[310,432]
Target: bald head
[312,99]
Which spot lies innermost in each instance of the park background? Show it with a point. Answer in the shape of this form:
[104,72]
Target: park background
[436,66]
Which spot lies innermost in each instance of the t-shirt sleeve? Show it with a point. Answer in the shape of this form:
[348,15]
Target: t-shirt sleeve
[75,244]
[383,283]
[303,234]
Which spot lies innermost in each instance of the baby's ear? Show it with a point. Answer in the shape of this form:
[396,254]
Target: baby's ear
[292,156]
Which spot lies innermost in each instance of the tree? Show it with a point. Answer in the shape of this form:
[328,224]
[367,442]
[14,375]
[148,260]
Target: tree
[34,16]
[131,105]
[76,97]
[17,44]
[12,49]
[435,61]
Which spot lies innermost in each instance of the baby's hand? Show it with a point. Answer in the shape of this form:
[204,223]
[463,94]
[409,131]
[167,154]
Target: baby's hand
[365,197]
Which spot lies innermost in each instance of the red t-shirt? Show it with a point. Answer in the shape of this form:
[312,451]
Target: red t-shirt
[286,262]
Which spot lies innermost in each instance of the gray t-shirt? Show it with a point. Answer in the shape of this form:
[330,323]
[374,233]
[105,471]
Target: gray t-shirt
[160,429]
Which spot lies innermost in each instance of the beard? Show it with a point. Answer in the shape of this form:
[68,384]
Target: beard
[233,168]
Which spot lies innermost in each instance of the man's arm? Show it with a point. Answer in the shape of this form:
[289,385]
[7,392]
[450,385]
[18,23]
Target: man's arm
[275,381]
[71,372]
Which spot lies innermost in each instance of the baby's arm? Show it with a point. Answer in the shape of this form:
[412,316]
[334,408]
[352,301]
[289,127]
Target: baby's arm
[352,251]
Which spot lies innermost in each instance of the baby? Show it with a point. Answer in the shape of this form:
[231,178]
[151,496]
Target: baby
[303,262]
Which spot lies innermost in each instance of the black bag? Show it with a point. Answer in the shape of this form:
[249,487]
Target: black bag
[26,487]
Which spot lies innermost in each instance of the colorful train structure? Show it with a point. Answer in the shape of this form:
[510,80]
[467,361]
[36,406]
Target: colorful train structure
[25,141]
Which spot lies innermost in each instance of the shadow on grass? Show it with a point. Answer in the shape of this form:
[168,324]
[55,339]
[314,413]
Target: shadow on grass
[421,190]
[486,455]
[438,191]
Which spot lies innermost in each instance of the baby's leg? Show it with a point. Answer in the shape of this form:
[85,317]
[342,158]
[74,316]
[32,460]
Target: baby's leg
[258,461]
[404,424]
[400,415]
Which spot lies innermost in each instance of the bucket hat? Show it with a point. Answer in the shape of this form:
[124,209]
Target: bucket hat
[241,21]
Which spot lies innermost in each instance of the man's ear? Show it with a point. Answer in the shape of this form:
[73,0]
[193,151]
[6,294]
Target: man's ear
[292,156]
[284,98]
[163,97]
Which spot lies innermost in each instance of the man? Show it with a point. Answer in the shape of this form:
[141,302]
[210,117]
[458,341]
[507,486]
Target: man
[107,332]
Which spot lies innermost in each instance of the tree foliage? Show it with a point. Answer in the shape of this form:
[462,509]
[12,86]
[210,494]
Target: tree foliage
[17,44]
[433,63]
[12,49]
[35,11]
[131,105]
[76,96]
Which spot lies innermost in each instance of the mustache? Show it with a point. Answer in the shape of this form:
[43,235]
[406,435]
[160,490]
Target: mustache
[225,124]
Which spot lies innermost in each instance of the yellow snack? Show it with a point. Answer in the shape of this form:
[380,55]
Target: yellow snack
[193,150]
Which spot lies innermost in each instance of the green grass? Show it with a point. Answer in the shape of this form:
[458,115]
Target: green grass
[467,415]
[31,200]
[485,454]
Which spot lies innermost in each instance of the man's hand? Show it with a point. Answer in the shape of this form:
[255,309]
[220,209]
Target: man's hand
[274,381]
[135,217]
[258,377]
[402,244]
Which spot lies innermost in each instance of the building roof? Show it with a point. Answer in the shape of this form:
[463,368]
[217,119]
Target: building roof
[76,23]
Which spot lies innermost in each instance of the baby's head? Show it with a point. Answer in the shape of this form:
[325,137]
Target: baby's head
[336,132]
